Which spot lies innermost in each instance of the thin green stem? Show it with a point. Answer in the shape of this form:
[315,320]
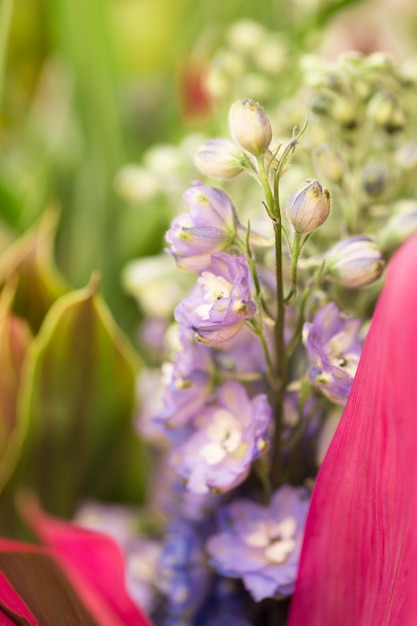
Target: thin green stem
[298,331]
[272,198]
[256,328]
[295,253]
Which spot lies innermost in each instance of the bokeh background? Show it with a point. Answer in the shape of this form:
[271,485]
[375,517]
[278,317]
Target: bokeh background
[87,86]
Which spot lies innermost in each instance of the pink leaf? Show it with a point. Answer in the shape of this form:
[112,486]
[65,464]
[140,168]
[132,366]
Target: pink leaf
[12,605]
[94,565]
[359,559]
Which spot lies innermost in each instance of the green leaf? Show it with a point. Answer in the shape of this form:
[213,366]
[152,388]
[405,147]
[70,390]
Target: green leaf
[78,401]
[15,337]
[30,261]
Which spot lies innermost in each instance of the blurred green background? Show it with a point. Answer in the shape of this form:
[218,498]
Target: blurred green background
[85,87]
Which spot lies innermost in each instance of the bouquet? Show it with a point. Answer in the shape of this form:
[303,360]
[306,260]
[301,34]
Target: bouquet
[258,512]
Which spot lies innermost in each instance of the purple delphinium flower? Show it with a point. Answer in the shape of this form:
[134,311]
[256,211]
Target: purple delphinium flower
[242,354]
[183,574]
[227,437]
[220,302]
[209,226]
[261,545]
[333,345]
[227,605]
[187,382]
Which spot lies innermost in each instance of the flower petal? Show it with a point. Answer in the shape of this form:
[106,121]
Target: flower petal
[359,559]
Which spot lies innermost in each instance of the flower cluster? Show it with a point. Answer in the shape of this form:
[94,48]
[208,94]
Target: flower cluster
[267,339]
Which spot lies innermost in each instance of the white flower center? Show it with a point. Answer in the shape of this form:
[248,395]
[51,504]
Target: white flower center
[215,288]
[225,435]
[279,550]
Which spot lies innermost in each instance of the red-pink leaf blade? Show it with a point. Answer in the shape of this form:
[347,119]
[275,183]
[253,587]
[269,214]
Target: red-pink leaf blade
[359,559]
[94,565]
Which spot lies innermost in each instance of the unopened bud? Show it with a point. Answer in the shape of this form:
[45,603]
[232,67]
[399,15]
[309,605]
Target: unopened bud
[136,184]
[344,112]
[406,156]
[402,223]
[250,127]
[374,179]
[219,158]
[355,262]
[330,163]
[308,207]
[385,110]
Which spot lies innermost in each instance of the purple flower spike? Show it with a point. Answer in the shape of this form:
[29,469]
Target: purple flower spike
[261,545]
[209,226]
[218,305]
[334,348]
[227,438]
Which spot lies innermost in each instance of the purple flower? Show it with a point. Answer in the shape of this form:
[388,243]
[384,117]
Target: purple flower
[227,605]
[187,382]
[183,574]
[261,545]
[227,437]
[208,227]
[220,302]
[333,345]
[242,354]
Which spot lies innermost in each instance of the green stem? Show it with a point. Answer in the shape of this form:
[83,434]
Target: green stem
[272,199]
[295,253]
[253,324]
[297,333]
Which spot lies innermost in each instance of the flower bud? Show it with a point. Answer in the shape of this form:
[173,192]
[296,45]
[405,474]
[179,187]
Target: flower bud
[250,127]
[385,110]
[374,179]
[406,155]
[308,207]
[219,158]
[345,113]
[402,223]
[355,262]
[330,163]
[136,184]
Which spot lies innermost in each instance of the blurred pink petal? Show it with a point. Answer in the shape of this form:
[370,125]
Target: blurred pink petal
[359,559]
[93,563]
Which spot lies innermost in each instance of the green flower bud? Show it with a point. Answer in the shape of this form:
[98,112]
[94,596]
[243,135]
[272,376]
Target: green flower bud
[136,184]
[345,113]
[355,262]
[330,163]
[308,207]
[374,179]
[406,156]
[250,127]
[385,110]
[219,158]
[402,223]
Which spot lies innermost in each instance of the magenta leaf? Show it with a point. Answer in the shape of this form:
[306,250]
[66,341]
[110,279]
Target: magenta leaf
[359,559]
[93,563]
[34,591]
